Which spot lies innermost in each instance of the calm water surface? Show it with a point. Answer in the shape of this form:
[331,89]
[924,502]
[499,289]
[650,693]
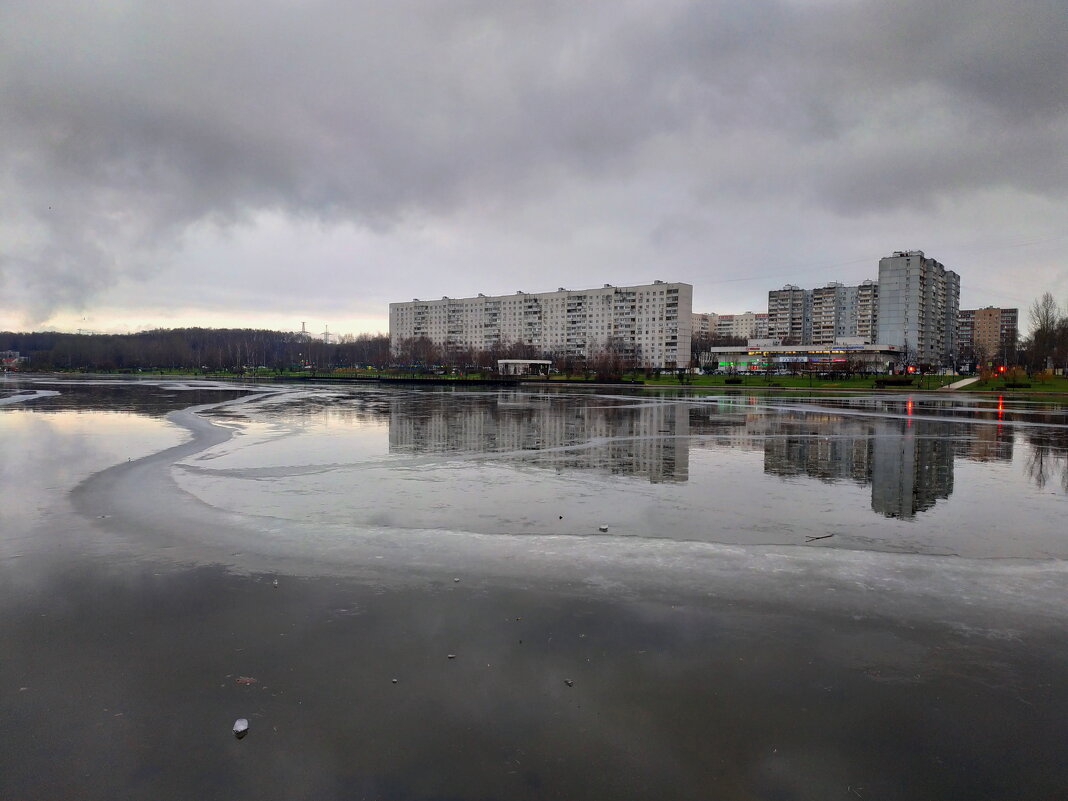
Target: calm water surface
[796,596]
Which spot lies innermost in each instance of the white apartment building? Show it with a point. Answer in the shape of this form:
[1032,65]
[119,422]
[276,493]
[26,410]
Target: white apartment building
[790,315]
[748,325]
[868,310]
[738,326]
[703,324]
[649,325]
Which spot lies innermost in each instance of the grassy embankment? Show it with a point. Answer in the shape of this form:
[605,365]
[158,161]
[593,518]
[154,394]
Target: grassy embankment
[1041,383]
[800,382]
[1038,383]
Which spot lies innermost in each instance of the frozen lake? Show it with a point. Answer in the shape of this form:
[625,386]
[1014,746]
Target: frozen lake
[796,596]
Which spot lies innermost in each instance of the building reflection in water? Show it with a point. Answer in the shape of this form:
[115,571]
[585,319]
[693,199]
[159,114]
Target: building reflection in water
[910,470]
[909,466]
[638,438]
[908,463]
[907,460]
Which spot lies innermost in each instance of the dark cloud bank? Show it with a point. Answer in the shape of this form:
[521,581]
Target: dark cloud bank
[123,124]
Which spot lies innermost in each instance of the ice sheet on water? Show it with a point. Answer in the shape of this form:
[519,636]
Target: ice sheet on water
[27,395]
[374,479]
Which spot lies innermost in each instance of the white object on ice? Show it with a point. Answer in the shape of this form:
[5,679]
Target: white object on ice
[602,528]
[240,728]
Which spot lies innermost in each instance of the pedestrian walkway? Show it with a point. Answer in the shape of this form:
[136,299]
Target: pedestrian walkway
[959,384]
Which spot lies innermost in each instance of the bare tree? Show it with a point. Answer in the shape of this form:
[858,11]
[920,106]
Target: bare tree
[419,351]
[607,364]
[770,366]
[1045,323]
[566,362]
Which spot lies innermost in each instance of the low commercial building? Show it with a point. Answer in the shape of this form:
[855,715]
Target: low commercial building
[524,366]
[10,359]
[762,357]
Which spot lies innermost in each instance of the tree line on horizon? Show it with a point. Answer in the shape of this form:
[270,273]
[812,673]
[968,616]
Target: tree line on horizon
[230,349]
[195,349]
[235,349]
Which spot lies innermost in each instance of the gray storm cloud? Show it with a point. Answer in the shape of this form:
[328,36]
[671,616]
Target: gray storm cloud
[123,124]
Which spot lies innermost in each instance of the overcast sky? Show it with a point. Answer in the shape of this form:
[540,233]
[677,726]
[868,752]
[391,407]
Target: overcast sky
[267,163]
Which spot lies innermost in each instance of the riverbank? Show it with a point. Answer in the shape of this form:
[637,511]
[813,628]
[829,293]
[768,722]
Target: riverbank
[1057,385]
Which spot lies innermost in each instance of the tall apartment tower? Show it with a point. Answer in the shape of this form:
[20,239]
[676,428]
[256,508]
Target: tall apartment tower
[825,301]
[868,310]
[790,315]
[649,324]
[919,301]
[823,315]
[835,313]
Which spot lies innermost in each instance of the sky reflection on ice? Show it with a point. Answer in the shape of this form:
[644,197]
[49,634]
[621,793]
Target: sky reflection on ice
[735,470]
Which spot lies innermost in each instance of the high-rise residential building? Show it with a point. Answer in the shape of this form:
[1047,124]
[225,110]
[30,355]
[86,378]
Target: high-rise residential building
[824,305]
[834,313]
[824,315]
[760,325]
[1009,323]
[966,333]
[919,300]
[790,315]
[648,324]
[868,310]
[987,335]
